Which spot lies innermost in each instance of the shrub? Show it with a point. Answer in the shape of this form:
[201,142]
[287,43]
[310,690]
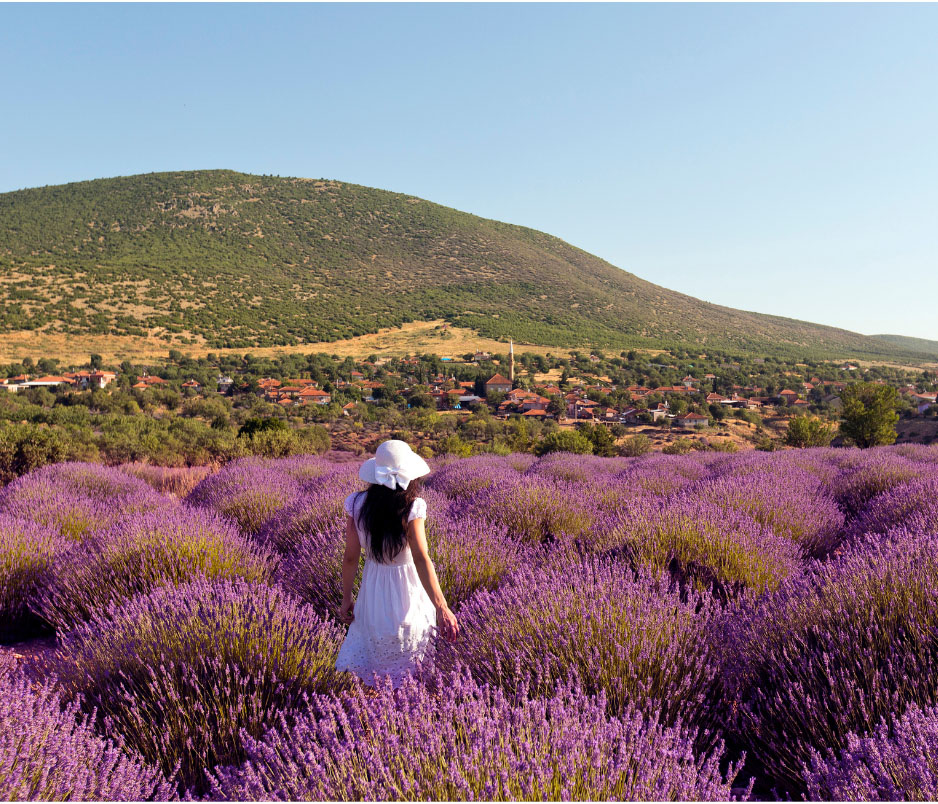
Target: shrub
[78,499]
[629,637]
[312,570]
[635,446]
[564,441]
[835,651]
[913,505]
[785,500]
[869,414]
[472,742]
[704,545]
[181,671]
[142,553]
[248,491]
[681,446]
[311,471]
[27,551]
[469,553]
[873,473]
[897,762]
[663,474]
[316,510]
[533,509]
[564,466]
[809,431]
[51,753]
[464,477]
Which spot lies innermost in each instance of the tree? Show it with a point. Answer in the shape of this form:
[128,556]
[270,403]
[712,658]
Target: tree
[635,446]
[600,437]
[869,414]
[258,425]
[564,441]
[809,431]
[96,362]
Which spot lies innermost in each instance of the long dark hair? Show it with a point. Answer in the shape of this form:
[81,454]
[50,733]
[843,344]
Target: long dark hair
[382,517]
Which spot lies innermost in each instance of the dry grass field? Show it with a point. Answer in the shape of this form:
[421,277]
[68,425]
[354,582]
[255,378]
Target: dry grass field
[416,337]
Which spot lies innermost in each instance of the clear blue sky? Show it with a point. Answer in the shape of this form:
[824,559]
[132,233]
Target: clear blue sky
[779,158]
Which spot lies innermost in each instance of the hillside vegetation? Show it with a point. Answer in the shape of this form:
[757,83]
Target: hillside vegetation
[912,344]
[225,259]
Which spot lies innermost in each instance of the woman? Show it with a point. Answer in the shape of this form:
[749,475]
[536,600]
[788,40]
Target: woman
[399,601]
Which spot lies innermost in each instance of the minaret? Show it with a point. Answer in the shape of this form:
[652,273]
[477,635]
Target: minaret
[511,362]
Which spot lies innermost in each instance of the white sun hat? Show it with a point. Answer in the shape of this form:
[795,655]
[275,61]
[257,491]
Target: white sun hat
[394,464]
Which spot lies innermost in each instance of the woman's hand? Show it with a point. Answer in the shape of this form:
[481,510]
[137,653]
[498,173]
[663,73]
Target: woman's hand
[446,622]
[346,615]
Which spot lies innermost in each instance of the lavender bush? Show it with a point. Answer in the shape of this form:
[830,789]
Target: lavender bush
[27,551]
[467,741]
[533,509]
[248,491]
[178,673]
[78,499]
[316,510]
[870,474]
[175,480]
[834,652]
[898,762]
[702,544]
[630,637]
[49,752]
[142,553]
[465,477]
[913,505]
[789,501]
[663,475]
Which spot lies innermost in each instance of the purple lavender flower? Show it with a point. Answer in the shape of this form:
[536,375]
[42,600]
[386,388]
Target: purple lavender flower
[461,478]
[871,473]
[78,499]
[788,500]
[834,651]
[318,509]
[27,551]
[897,762]
[663,475]
[913,505]
[702,544]
[631,637]
[179,672]
[249,491]
[51,753]
[457,740]
[144,552]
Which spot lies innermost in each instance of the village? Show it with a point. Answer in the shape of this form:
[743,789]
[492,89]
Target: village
[591,389]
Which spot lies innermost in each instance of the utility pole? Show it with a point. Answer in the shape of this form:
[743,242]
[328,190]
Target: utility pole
[511,362]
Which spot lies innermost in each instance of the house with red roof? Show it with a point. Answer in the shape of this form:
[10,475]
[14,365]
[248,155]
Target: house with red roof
[314,396]
[691,421]
[497,384]
[48,381]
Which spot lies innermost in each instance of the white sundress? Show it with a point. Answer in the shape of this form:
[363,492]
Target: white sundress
[394,616]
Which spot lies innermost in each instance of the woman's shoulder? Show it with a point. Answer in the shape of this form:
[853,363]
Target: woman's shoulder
[418,509]
[351,503]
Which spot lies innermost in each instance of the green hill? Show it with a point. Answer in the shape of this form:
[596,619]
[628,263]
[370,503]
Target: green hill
[912,344]
[232,260]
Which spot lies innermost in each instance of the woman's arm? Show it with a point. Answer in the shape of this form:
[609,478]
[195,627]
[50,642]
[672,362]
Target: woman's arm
[353,552]
[417,539]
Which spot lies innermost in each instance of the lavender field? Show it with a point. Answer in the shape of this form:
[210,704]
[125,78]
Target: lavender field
[709,626]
